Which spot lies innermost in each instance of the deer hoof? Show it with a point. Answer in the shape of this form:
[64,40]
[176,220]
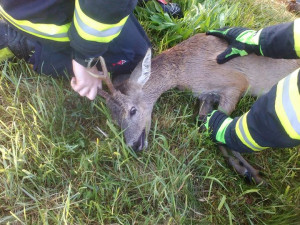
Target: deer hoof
[252,175]
[241,166]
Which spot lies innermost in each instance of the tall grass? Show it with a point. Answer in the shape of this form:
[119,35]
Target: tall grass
[63,160]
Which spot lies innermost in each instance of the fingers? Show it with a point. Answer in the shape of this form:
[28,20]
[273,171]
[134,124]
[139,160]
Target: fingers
[84,91]
[92,94]
[84,83]
[81,90]
[229,54]
[73,84]
[89,92]
[221,33]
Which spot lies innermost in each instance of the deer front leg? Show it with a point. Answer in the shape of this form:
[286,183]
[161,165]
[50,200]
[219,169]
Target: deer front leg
[233,161]
[227,104]
[253,173]
[241,165]
[208,102]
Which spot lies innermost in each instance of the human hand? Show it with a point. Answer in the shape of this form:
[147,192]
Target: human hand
[217,122]
[242,41]
[84,83]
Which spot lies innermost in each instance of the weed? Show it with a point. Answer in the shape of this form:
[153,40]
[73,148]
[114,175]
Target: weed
[63,160]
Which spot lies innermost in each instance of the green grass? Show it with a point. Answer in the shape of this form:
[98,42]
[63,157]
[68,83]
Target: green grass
[63,161]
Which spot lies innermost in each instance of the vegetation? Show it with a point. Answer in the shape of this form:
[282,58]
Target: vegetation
[63,160]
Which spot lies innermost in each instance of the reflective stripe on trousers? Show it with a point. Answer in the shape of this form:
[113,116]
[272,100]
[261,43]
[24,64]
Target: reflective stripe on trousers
[287,105]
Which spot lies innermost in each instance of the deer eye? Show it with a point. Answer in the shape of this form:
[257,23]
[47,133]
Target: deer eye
[133,111]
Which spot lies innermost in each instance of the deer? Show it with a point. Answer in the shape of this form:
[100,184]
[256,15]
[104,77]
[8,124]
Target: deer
[190,65]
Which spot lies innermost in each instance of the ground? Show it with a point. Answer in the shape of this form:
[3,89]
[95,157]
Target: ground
[63,161]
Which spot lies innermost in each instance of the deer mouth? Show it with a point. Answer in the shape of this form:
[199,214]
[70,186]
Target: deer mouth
[141,143]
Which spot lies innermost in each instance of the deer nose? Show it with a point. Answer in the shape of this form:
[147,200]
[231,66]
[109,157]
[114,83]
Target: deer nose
[139,145]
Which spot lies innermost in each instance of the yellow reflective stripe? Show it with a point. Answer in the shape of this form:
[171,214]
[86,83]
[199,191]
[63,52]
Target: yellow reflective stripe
[287,105]
[297,36]
[294,93]
[5,53]
[220,137]
[92,30]
[47,31]
[244,135]
[239,133]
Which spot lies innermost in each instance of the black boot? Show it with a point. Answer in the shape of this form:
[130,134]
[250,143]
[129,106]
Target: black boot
[13,42]
[5,52]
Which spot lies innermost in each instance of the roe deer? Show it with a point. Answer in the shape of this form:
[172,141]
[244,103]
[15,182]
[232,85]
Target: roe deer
[191,65]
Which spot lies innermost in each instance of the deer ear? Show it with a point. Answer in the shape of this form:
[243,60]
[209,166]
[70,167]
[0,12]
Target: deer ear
[141,73]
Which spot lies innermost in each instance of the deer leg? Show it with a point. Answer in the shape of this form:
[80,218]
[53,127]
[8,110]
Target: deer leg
[208,102]
[227,104]
[241,166]
[253,173]
[233,161]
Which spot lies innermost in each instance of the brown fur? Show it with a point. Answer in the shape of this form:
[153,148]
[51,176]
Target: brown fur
[192,65]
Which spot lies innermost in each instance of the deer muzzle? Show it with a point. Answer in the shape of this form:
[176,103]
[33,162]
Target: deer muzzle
[141,143]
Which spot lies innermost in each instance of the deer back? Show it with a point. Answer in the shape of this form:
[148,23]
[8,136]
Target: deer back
[192,64]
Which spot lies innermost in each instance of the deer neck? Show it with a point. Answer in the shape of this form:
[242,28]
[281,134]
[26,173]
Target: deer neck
[161,80]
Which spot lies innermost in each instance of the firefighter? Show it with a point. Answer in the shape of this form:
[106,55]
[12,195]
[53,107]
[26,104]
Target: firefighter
[274,119]
[65,37]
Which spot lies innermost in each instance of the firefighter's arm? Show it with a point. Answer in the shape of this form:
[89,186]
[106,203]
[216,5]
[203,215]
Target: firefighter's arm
[95,24]
[272,121]
[278,41]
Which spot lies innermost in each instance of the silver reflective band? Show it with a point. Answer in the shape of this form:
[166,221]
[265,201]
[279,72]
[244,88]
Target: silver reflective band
[288,106]
[241,127]
[35,31]
[94,32]
[30,29]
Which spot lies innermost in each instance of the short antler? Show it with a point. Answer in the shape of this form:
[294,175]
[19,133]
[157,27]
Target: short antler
[105,78]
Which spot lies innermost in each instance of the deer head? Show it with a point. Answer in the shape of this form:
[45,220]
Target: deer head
[128,105]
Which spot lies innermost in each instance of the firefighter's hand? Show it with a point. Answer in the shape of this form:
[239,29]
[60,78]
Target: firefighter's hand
[217,122]
[84,83]
[242,41]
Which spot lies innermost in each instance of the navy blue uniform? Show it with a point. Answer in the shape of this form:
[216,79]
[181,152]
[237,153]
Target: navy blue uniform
[274,119]
[79,29]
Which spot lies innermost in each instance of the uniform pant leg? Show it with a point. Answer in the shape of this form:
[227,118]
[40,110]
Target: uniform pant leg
[272,121]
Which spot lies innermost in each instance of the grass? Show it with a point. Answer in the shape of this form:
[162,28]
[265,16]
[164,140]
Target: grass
[63,161]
